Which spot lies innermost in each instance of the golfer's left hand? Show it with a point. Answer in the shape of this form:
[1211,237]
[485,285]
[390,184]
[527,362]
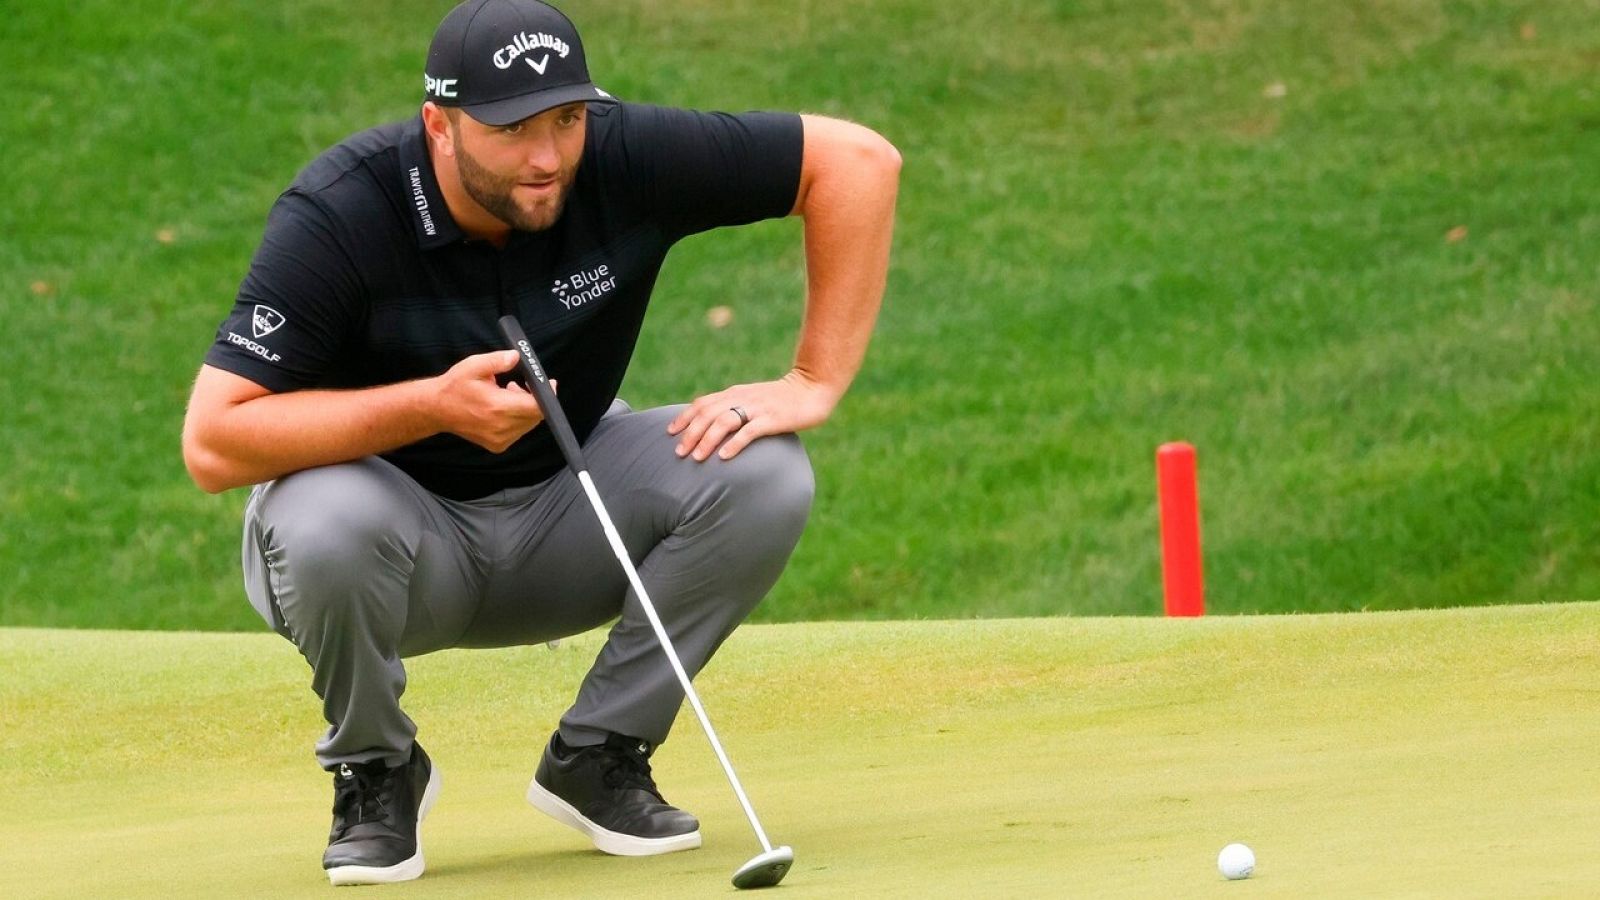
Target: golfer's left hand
[711,425]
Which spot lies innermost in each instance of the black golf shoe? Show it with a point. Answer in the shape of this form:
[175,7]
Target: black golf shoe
[376,811]
[606,792]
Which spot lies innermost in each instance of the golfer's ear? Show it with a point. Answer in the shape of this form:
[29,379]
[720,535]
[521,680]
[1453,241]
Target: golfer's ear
[437,123]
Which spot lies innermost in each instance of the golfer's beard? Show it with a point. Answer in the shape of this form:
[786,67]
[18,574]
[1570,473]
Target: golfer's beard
[493,193]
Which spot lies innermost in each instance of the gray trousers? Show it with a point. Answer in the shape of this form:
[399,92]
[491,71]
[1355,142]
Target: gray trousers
[361,567]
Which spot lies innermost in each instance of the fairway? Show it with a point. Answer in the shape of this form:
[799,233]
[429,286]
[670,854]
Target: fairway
[1432,753]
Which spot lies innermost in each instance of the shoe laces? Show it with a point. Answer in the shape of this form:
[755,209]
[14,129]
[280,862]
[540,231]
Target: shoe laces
[625,765]
[364,792]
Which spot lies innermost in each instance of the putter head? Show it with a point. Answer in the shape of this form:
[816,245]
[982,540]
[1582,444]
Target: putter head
[765,870]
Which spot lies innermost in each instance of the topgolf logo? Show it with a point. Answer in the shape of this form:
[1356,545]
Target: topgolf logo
[265,321]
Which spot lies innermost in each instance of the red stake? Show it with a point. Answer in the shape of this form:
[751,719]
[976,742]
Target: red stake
[1180,530]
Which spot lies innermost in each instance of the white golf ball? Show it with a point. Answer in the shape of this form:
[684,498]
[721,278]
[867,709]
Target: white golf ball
[1236,861]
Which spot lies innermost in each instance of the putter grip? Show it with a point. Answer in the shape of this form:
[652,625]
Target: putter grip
[533,373]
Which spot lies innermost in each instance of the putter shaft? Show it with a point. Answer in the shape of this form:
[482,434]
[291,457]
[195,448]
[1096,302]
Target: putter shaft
[621,552]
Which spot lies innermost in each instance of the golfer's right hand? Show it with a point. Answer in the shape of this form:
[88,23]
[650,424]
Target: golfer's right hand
[473,405]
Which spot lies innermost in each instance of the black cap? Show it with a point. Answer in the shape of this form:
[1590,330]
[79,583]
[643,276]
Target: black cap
[505,60]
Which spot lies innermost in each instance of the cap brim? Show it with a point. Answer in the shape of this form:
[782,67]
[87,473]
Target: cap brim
[515,109]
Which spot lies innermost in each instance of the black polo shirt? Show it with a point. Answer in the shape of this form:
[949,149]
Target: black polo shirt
[362,277]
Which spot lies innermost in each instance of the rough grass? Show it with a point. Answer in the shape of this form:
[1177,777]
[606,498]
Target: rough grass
[1346,249]
[1429,753]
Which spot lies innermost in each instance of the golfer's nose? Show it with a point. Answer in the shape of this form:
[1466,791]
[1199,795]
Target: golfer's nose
[543,155]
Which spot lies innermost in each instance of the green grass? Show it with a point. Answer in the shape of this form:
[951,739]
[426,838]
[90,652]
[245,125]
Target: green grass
[1223,221]
[1426,753]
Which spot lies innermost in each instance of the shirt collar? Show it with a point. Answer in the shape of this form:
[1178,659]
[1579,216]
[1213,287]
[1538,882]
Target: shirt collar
[429,214]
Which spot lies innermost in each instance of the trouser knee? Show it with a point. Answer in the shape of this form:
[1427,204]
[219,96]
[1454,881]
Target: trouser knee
[328,537]
[770,486]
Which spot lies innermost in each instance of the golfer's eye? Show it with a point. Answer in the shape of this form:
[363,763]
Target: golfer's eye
[513,128]
[570,119]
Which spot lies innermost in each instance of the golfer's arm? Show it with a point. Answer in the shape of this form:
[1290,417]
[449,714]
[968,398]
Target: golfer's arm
[848,183]
[238,433]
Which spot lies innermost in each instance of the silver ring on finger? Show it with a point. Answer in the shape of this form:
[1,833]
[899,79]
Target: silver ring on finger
[743,418]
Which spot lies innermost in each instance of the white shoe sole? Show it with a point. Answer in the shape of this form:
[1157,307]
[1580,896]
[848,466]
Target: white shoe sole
[612,842]
[405,870]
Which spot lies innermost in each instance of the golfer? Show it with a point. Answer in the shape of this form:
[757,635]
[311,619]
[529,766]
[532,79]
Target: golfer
[405,498]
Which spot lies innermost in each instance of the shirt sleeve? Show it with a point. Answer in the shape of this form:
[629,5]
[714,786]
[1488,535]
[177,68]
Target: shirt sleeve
[296,306]
[693,171]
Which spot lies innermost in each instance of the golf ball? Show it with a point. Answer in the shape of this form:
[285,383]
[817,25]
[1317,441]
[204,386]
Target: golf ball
[1236,861]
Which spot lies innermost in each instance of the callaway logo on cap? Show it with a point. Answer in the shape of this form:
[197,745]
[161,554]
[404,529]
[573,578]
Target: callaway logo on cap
[502,61]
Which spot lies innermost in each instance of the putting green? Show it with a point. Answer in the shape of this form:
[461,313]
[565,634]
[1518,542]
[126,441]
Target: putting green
[1442,753]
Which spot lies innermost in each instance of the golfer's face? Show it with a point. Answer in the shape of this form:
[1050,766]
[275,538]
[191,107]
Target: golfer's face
[521,173]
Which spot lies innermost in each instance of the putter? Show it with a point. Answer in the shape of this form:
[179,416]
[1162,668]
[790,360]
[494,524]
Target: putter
[768,867]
